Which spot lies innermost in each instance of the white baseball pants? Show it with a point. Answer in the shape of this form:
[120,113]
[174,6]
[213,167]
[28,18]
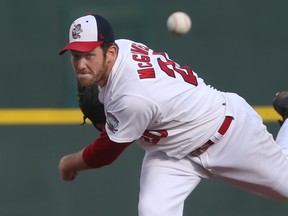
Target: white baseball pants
[246,157]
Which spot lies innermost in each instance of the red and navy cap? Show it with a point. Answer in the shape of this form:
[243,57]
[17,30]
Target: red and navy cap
[88,32]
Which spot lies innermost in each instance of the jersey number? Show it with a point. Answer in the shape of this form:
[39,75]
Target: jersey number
[185,71]
[154,137]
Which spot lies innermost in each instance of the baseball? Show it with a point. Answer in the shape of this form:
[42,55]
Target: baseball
[179,23]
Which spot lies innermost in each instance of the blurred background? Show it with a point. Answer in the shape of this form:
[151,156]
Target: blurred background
[235,45]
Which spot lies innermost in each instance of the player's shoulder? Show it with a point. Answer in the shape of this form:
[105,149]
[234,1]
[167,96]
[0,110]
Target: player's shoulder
[122,43]
[124,47]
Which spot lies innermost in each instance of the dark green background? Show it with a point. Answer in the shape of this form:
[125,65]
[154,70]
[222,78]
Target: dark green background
[235,45]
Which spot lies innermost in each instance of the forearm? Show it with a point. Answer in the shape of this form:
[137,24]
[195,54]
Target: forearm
[100,152]
[71,164]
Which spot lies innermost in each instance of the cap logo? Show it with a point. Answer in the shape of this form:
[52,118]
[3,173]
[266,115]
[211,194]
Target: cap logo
[76,31]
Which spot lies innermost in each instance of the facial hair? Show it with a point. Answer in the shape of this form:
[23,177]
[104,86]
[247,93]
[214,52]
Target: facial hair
[99,78]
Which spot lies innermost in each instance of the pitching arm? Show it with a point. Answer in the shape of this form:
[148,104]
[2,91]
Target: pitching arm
[99,153]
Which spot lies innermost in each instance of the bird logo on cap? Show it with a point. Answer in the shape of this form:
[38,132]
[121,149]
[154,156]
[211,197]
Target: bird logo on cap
[76,31]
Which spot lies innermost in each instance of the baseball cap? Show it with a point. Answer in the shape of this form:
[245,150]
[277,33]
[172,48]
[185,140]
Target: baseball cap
[88,32]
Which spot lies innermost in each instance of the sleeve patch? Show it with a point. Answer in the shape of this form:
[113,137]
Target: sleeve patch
[112,122]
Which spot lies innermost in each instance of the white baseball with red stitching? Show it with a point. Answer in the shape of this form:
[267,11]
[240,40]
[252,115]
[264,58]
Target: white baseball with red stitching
[179,23]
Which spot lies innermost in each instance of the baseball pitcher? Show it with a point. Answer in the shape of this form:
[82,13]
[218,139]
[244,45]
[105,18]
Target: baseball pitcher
[188,129]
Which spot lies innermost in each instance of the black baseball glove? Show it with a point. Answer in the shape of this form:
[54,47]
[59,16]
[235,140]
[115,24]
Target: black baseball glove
[90,106]
[280,104]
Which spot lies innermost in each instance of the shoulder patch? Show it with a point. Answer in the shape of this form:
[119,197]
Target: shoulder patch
[112,122]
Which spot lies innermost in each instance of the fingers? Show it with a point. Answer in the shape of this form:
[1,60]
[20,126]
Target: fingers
[69,176]
[66,169]
[70,165]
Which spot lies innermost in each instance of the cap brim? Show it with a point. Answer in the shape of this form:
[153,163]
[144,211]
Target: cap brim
[81,46]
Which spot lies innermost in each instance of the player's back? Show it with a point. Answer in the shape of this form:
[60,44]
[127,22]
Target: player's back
[185,106]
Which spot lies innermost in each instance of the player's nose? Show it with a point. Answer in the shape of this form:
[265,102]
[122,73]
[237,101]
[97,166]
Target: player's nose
[81,64]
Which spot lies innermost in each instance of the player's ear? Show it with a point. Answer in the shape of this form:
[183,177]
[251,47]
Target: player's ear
[112,52]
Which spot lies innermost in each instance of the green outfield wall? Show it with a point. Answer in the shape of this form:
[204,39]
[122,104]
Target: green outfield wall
[235,45]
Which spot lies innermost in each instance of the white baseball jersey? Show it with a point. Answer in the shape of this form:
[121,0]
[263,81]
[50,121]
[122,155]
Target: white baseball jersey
[151,99]
[170,112]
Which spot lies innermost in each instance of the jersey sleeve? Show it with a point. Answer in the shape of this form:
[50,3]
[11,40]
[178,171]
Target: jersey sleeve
[128,118]
[102,151]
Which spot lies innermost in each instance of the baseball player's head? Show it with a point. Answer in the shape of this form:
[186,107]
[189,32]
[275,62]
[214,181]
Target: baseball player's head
[93,49]
[88,32]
